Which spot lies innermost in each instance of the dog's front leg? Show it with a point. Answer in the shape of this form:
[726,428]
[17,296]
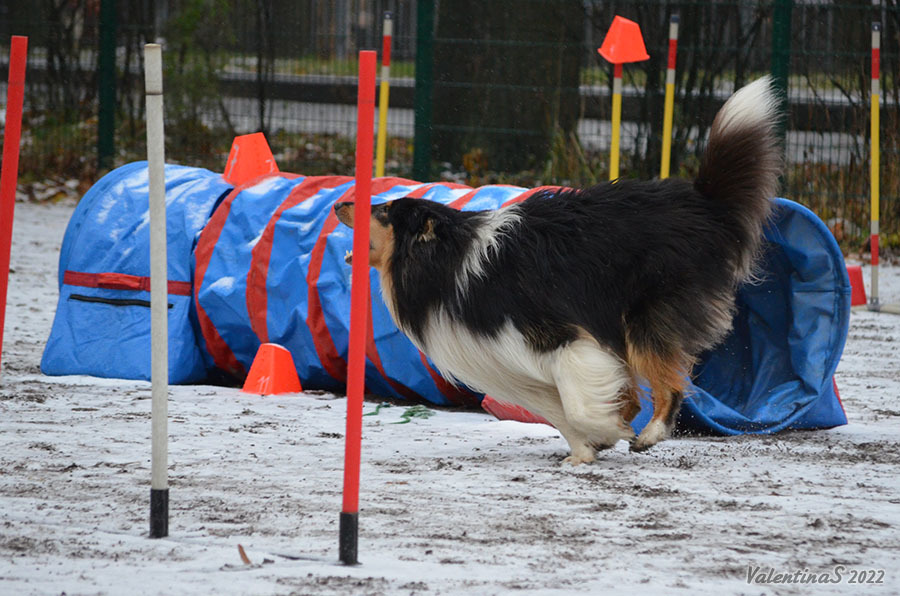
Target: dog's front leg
[591,383]
[546,403]
[582,451]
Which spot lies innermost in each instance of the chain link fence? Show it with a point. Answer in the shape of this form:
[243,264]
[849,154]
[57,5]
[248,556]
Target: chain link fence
[507,91]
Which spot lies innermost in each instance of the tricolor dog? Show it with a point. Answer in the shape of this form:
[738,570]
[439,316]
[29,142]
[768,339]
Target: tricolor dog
[565,302]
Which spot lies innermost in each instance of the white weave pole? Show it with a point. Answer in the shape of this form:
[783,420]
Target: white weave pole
[159,307]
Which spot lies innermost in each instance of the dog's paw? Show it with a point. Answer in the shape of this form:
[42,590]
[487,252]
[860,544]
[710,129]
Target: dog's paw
[577,461]
[652,434]
[637,446]
[581,455]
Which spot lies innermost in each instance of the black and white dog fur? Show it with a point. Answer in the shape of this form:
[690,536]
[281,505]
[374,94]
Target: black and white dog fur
[564,302]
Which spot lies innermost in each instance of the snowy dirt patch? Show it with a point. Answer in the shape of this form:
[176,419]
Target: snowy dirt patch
[452,503]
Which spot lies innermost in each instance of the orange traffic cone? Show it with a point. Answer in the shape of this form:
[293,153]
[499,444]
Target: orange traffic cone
[858,294]
[623,42]
[249,158]
[273,372]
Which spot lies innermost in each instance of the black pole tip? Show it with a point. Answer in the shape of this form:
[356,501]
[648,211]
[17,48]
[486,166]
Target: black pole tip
[674,18]
[159,512]
[349,538]
[876,26]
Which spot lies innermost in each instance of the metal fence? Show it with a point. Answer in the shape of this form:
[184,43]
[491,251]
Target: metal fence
[470,81]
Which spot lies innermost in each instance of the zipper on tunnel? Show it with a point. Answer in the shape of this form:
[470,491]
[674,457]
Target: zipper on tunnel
[113,301]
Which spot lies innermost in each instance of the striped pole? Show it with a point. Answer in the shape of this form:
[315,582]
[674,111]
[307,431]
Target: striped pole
[669,108]
[616,121]
[159,312]
[9,176]
[874,161]
[359,308]
[387,32]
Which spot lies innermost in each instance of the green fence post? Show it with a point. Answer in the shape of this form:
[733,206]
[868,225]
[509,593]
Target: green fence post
[781,56]
[424,89]
[106,117]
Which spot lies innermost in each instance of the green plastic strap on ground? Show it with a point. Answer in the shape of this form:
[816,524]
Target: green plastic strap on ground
[406,417]
[414,412]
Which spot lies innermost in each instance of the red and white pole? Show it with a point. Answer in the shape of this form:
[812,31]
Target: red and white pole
[874,161]
[15,94]
[359,308]
[381,144]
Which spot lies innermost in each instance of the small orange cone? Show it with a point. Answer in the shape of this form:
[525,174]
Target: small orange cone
[249,158]
[858,295]
[273,372]
[624,42]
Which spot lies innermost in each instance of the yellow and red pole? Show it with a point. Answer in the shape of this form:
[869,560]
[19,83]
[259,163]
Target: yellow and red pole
[381,144]
[616,121]
[874,161]
[669,107]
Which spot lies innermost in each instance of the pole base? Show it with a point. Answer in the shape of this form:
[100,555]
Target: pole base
[159,512]
[349,538]
[874,305]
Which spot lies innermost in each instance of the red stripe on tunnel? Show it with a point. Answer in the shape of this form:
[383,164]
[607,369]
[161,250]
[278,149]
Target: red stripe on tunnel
[375,359]
[453,393]
[333,363]
[221,354]
[257,292]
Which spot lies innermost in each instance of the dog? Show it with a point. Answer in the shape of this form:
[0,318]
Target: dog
[565,302]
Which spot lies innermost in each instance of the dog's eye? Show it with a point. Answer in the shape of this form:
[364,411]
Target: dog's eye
[380,212]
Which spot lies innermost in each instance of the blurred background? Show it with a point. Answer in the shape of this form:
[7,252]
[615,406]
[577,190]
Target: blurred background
[505,91]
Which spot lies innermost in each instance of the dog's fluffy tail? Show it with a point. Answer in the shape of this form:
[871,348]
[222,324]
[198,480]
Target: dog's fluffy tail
[742,163]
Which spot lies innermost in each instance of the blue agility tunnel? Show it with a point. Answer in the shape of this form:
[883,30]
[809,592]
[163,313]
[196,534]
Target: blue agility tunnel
[102,322]
[265,263]
[776,369]
[270,268]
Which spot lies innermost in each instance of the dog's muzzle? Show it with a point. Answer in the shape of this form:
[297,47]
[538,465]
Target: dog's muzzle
[344,212]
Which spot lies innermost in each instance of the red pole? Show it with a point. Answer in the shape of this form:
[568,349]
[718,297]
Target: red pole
[15,92]
[359,307]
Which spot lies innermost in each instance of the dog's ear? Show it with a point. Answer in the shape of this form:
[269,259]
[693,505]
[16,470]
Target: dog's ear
[426,234]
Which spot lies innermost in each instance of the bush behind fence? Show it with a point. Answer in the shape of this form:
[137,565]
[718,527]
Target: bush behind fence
[518,92]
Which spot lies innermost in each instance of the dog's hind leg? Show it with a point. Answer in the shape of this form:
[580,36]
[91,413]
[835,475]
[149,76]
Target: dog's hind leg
[667,377]
[660,426]
[630,401]
[591,381]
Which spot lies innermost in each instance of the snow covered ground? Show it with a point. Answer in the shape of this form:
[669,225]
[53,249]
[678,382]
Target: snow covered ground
[456,503]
